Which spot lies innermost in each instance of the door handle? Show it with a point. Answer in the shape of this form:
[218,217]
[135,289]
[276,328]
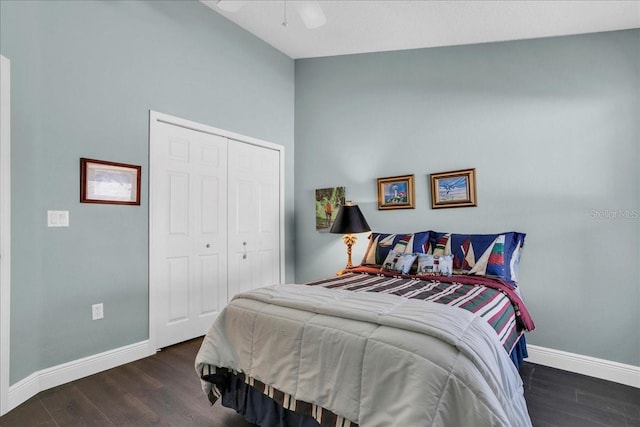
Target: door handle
[244,245]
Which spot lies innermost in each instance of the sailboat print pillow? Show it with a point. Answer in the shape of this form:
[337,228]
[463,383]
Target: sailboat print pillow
[495,255]
[380,244]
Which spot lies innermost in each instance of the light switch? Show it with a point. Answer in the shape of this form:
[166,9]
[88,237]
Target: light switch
[57,218]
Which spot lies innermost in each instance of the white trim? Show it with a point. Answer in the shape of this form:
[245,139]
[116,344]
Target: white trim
[585,365]
[5,230]
[71,371]
[155,118]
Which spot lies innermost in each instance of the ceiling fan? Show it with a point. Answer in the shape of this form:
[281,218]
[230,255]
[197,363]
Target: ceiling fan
[309,10]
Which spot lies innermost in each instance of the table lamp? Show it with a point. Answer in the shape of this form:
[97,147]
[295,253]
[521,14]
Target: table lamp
[349,221]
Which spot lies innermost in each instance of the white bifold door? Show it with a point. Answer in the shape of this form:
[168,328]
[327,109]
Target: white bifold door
[214,226]
[254,217]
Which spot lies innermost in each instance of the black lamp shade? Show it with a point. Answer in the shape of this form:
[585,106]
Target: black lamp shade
[349,221]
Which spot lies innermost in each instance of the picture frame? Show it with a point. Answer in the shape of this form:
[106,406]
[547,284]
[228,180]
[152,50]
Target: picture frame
[396,192]
[109,182]
[453,189]
[327,204]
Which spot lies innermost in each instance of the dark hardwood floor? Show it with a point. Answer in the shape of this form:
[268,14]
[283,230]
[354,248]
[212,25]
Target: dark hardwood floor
[164,390]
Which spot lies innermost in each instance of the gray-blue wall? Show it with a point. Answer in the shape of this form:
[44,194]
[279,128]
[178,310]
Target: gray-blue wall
[551,125]
[84,77]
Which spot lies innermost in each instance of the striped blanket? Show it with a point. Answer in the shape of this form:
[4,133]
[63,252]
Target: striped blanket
[240,389]
[493,305]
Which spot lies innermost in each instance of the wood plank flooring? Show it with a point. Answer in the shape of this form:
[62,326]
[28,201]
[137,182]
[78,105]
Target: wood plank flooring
[164,390]
[560,398]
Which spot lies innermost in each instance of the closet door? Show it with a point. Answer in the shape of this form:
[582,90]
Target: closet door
[254,217]
[188,233]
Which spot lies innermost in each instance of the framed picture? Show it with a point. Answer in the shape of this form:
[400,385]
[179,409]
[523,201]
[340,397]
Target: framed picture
[396,192]
[328,200]
[453,189]
[109,182]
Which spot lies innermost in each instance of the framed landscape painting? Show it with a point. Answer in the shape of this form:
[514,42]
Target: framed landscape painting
[453,189]
[109,182]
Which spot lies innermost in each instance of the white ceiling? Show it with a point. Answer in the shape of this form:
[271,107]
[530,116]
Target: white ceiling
[358,26]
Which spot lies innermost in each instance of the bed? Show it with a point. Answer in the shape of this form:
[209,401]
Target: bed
[427,330]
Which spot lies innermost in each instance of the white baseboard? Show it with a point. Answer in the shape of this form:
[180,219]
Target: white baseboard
[585,365]
[71,371]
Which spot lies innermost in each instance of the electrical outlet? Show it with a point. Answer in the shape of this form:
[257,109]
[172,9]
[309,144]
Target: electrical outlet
[97,311]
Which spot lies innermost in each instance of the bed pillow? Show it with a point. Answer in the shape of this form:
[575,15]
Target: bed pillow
[434,265]
[496,255]
[398,262]
[380,244]
[441,243]
[422,242]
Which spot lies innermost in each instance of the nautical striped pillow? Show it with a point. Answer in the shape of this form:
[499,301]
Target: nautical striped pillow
[495,255]
[380,244]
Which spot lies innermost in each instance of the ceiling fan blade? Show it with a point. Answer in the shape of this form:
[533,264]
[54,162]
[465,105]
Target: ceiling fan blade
[230,5]
[311,13]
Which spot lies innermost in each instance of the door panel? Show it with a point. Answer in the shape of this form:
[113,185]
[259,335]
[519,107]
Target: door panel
[188,207]
[178,286]
[267,274]
[268,190]
[254,217]
[208,216]
[208,296]
[178,204]
[243,207]
[269,208]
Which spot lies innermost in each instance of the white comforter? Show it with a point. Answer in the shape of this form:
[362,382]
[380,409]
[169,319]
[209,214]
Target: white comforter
[375,359]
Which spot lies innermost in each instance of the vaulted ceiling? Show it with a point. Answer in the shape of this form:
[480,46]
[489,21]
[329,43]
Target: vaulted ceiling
[357,26]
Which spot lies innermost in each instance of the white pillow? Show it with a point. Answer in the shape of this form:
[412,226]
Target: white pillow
[398,262]
[435,265]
